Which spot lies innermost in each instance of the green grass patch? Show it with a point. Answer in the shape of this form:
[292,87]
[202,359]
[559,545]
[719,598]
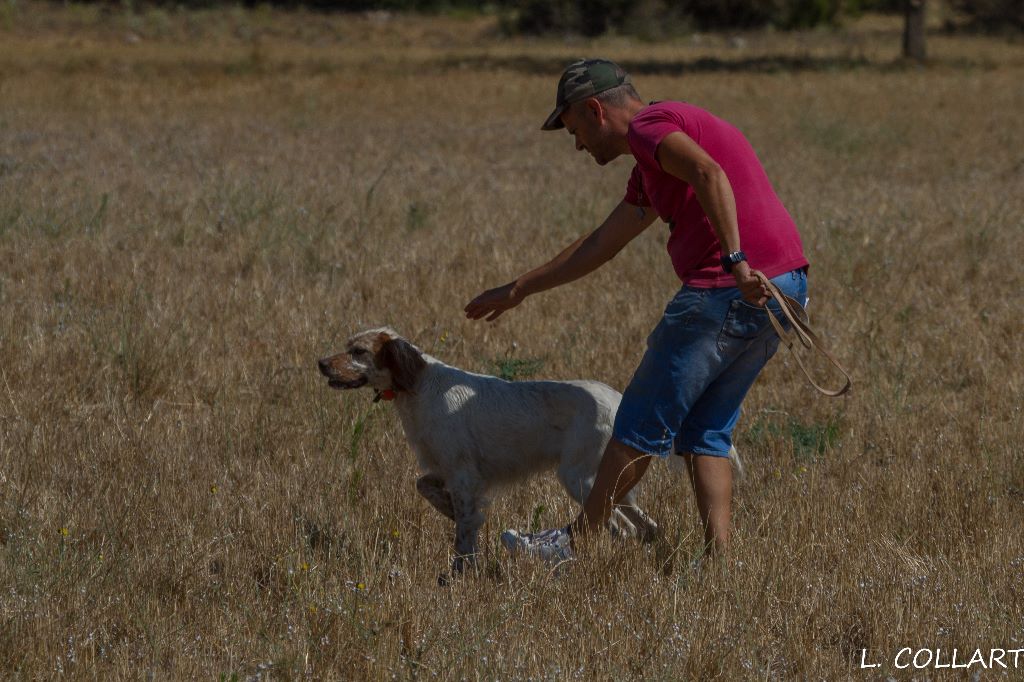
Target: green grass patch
[809,440]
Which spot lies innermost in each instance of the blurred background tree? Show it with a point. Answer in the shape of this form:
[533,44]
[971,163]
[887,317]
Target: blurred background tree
[656,18]
[994,14]
[593,17]
[913,30]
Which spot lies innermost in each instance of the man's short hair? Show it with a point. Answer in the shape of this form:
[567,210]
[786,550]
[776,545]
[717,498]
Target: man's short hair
[618,95]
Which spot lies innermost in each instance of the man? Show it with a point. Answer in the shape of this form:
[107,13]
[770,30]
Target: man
[700,175]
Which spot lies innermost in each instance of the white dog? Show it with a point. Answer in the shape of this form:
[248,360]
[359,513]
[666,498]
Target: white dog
[473,433]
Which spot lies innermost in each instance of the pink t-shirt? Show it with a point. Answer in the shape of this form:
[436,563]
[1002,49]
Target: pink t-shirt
[768,235]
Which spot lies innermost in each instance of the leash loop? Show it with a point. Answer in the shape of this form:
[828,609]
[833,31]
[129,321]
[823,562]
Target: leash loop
[797,317]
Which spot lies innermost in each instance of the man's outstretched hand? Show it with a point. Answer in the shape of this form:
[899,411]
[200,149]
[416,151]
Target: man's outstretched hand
[493,302]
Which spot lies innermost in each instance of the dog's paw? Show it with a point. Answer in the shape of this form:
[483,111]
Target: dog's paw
[462,566]
[463,563]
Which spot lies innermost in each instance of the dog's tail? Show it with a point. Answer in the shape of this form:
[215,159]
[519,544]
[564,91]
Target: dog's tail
[734,455]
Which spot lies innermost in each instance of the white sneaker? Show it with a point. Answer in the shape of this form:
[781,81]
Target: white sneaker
[553,546]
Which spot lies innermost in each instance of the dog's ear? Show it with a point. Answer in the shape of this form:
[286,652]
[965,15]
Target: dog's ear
[403,360]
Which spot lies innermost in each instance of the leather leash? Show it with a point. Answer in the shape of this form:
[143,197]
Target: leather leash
[797,317]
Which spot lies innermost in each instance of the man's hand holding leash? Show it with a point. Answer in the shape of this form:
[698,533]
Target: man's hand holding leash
[753,289]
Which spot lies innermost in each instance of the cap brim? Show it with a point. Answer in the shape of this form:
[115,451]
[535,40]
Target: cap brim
[554,121]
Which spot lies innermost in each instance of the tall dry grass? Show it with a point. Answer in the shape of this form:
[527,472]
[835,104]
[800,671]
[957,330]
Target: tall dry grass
[194,207]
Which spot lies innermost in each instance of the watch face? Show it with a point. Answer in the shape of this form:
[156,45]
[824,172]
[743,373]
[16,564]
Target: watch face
[732,259]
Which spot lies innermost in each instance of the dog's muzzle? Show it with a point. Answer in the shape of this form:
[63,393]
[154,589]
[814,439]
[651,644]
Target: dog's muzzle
[334,382]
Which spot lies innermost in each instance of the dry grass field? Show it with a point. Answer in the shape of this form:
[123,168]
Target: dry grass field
[195,207]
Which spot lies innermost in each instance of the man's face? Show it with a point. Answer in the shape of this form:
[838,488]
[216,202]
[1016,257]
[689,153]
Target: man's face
[586,122]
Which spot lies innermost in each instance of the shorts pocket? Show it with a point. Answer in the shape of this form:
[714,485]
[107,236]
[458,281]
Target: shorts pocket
[744,321]
[686,304]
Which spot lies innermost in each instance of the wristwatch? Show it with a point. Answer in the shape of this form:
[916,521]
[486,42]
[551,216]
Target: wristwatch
[732,259]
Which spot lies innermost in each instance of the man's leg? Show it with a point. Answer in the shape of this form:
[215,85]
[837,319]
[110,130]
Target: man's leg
[711,478]
[680,362]
[748,342]
[621,468]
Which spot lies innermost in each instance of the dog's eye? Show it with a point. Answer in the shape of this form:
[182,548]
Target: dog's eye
[358,351]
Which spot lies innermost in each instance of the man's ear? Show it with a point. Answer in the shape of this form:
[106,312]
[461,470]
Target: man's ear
[595,109]
[403,360]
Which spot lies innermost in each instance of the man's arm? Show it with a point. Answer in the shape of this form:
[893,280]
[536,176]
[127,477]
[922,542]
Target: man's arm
[580,258]
[681,156]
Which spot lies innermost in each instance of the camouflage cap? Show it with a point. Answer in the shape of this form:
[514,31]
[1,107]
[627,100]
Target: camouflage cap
[580,80]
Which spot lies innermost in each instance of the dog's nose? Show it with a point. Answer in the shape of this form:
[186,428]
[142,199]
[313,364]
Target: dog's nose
[325,365]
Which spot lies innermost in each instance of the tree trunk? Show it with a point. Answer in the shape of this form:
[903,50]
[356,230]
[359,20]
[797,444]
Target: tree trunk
[913,30]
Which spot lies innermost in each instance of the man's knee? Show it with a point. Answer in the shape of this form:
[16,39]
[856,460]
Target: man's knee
[624,455]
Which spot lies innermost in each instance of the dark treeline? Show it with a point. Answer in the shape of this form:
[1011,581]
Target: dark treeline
[596,17]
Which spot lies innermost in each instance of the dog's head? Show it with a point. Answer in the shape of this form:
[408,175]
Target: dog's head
[378,358]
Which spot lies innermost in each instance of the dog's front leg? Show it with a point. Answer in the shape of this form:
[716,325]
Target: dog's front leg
[431,487]
[469,517]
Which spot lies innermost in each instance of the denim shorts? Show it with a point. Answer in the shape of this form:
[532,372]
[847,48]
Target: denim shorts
[701,360]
